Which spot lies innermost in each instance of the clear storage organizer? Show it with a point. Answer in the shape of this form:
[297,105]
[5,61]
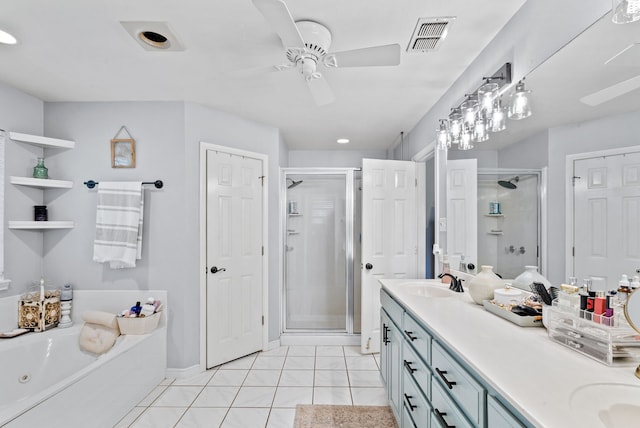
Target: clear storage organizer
[604,339]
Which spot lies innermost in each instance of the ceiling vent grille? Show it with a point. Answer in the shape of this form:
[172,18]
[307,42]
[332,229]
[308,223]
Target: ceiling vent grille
[429,33]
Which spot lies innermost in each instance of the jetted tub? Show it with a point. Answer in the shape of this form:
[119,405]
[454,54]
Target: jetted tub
[47,380]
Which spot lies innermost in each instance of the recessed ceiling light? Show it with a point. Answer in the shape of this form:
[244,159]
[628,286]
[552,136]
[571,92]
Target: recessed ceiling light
[154,39]
[342,140]
[7,38]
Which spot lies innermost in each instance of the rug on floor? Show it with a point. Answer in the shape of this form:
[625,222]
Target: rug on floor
[326,416]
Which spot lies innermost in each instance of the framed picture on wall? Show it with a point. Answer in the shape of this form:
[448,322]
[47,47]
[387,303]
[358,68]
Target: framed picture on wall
[123,153]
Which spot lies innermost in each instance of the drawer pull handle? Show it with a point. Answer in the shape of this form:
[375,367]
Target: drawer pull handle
[407,364]
[410,335]
[385,334]
[407,398]
[442,374]
[440,415]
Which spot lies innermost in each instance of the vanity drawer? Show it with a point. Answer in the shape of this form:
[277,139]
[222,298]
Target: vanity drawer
[414,402]
[417,336]
[394,310]
[454,379]
[499,417]
[445,412]
[416,369]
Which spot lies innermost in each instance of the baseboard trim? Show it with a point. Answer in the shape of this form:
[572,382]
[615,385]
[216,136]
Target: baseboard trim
[183,373]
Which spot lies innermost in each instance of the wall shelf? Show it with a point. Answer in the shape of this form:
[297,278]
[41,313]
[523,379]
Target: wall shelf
[41,183]
[40,225]
[495,233]
[294,214]
[44,142]
[494,215]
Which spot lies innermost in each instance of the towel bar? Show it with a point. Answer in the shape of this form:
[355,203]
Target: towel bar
[158,183]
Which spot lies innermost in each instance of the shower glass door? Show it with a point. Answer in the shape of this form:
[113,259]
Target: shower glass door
[318,253]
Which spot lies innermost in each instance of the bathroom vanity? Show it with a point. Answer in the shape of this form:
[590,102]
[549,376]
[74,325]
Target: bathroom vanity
[448,362]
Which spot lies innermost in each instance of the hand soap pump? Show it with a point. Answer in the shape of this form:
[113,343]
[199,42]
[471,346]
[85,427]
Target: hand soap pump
[66,298]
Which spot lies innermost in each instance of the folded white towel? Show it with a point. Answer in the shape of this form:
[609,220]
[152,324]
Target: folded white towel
[119,217]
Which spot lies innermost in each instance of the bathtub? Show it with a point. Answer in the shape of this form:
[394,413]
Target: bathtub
[48,380]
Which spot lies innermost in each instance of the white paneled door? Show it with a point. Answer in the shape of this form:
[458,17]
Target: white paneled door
[389,236]
[234,256]
[607,218]
[462,211]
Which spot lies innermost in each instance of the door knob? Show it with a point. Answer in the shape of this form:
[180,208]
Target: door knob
[216,270]
[368,266]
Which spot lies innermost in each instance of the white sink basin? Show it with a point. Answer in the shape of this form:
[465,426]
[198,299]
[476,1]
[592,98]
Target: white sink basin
[426,289]
[610,405]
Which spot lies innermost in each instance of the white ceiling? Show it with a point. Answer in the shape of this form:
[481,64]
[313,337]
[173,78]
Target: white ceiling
[77,50]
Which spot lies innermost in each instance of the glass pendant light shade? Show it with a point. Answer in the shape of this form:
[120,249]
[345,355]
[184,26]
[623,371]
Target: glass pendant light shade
[497,118]
[625,11]
[519,106]
[480,132]
[469,109]
[455,125]
[443,136]
[465,139]
[487,94]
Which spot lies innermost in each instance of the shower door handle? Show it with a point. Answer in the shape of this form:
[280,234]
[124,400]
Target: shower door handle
[216,269]
[368,266]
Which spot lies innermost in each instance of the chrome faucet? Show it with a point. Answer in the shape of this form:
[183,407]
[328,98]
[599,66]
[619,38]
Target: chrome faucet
[456,284]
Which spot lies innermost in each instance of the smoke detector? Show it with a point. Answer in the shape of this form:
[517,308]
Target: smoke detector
[429,33]
[153,36]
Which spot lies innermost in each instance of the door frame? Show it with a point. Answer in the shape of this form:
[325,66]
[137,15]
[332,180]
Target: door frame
[204,147]
[569,208]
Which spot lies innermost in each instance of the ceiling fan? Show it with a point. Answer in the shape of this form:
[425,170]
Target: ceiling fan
[307,44]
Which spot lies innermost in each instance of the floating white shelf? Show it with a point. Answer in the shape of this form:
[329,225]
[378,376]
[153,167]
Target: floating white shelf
[40,225]
[495,233]
[44,142]
[41,183]
[494,215]
[294,214]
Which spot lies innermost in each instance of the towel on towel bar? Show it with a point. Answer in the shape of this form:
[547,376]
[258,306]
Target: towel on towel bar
[119,224]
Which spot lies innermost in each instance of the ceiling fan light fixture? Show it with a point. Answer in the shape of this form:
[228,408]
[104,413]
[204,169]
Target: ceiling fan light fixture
[625,11]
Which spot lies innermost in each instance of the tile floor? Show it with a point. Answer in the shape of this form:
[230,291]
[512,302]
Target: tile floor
[262,389]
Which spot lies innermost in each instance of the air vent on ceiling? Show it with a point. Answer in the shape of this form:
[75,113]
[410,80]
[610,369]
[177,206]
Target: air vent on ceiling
[429,33]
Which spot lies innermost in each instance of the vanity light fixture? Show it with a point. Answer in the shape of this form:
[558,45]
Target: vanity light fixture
[342,140]
[625,11]
[482,112]
[7,39]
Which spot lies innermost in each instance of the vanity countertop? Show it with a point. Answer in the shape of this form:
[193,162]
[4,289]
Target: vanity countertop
[537,376]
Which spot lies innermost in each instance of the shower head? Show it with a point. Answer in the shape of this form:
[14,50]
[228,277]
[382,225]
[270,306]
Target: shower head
[294,183]
[509,184]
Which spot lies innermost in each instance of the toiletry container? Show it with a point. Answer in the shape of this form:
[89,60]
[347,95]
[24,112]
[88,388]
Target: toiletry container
[482,286]
[507,296]
[446,269]
[529,276]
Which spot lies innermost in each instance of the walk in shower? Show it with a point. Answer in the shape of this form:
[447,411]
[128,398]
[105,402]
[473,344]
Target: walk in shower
[509,220]
[319,212]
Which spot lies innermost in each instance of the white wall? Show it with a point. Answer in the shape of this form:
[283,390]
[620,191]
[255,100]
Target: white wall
[20,112]
[332,158]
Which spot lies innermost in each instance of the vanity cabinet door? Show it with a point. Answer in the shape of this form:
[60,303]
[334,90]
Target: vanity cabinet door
[499,417]
[385,322]
[415,403]
[394,374]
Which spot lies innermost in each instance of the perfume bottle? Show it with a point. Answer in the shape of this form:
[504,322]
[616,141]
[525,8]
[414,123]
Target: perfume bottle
[40,171]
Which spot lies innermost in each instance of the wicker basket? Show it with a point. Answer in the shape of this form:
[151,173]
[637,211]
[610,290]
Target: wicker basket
[142,325]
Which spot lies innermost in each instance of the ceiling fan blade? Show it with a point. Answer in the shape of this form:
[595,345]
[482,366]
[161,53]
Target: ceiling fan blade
[365,57]
[278,15]
[320,91]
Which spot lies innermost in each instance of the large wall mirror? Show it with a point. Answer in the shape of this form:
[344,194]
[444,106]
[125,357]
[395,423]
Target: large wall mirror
[585,100]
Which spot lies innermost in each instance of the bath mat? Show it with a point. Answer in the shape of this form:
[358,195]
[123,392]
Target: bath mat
[316,416]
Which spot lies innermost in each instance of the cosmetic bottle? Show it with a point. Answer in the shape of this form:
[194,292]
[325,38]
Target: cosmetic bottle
[446,269]
[599,306]
[623,289]
[463,265]
[635,283]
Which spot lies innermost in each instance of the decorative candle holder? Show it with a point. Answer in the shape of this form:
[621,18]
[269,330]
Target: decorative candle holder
[39,311]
